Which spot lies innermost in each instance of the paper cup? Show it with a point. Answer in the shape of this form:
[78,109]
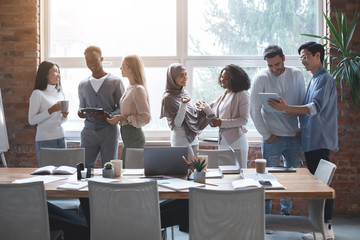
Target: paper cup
[260,165]
[117,167]
[83,173]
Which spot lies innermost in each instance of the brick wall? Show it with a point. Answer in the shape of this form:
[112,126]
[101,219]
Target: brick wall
[19,57]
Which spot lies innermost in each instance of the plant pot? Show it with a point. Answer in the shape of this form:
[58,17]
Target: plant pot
[199,176]
[108,173]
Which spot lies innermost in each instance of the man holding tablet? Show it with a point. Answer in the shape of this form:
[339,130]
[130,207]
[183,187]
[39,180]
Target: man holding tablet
[280,133]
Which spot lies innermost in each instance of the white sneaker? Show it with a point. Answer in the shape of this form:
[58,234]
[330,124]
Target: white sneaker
[310,236]
[329,234]
[269,231]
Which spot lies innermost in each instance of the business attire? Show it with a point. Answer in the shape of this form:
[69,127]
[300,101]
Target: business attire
[98,136]
[233,109]
[135,105]
[319,128]
[290,86]
[49,132]
[184,119]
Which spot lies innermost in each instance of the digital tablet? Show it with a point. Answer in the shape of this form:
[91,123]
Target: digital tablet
[265,97]
[88,110]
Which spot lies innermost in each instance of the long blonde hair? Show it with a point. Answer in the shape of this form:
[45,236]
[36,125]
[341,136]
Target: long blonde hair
[136,66]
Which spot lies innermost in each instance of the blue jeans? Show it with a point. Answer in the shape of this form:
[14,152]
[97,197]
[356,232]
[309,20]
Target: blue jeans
[55,143]
[290,149]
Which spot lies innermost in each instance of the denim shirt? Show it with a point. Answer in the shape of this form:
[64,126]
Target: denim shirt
[320,130]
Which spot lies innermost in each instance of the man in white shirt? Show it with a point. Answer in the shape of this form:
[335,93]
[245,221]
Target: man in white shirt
[280,133]
[100,90]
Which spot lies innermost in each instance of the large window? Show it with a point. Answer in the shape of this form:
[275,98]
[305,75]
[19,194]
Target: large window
[204,35]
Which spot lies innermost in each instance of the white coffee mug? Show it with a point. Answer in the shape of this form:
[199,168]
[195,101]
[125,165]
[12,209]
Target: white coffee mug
[117,167]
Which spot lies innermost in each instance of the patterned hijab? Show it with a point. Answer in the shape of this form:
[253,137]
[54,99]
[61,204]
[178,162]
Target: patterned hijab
[194,120]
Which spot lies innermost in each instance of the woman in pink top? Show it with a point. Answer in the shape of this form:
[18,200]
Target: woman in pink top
[134,105]
[231,110]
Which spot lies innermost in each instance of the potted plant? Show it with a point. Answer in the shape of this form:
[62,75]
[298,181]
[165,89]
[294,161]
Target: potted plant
[199,172]
[108,170]
[347,62]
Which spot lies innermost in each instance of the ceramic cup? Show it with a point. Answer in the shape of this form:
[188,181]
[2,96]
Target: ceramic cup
[117,167]
[64,106]
[209,118]
[260,165]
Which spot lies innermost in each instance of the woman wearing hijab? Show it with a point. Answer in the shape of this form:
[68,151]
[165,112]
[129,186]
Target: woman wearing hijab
[232,110]
[184,119]
[134,105]
[45,106]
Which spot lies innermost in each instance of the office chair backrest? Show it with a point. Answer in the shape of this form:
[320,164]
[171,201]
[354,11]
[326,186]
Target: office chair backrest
[23,212]
[124,211]
[325,171]
[222,157]
[134,158]
[218,214]
[61,156]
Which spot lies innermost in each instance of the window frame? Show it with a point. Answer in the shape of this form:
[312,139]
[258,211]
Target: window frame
[164,61]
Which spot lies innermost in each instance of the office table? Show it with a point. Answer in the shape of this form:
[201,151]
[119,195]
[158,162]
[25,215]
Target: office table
[299,185]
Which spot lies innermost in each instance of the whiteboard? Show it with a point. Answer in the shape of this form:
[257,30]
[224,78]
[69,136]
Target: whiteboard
[4,142]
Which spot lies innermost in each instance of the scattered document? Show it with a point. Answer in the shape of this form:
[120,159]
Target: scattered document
[260,176]
[133,172]
[45,179]
[73,185]
[50,170]
[178,184]
[214,174]
[245,183]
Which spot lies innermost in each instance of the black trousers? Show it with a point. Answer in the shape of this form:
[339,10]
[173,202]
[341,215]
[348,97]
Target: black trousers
[312,160]
[74,227]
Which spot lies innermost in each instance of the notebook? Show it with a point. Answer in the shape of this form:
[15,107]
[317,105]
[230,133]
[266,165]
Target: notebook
[231,169]
[165,161]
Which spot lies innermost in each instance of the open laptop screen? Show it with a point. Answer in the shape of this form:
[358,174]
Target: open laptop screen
[165,161]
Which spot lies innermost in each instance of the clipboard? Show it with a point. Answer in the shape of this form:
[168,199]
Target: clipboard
[265,97]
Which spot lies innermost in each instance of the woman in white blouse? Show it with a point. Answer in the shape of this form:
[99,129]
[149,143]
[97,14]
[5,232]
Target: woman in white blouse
[134,105]
[231,110]
[45,108]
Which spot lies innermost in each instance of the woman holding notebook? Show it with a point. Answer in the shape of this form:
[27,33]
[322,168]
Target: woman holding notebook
[45,108]
[184,119]
[134,105]
[231,109]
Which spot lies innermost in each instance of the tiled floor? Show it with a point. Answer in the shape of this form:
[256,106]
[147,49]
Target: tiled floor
[345,228]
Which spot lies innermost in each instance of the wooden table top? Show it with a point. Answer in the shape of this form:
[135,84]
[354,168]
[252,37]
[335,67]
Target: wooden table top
[299,185]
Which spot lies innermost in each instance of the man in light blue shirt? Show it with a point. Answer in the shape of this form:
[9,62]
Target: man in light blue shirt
[318,116]
[280,133]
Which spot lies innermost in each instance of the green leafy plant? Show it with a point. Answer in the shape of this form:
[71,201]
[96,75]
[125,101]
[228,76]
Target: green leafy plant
[346,62]
[108,165]
[199,164]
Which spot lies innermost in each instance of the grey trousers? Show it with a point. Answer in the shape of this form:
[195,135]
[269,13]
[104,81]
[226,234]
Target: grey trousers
[104,141]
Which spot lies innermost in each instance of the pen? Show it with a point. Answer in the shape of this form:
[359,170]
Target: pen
[208,184]
[186,160]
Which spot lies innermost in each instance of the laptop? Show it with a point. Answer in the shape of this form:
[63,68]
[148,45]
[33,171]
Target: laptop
[231,169]
[165,161]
